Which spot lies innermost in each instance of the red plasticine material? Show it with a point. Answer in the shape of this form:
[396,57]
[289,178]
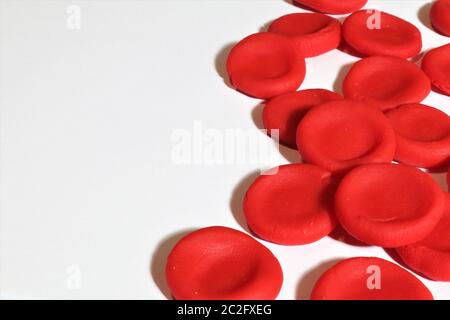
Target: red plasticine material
[369,278]
[333,6]
[341,135]
[440,16]
[218,263]
[312,33]
[436,64]
[265,65]
[293,206]
[373,33]
[422,135]
[386,82]
[431,256]
[285,112]
[389,205]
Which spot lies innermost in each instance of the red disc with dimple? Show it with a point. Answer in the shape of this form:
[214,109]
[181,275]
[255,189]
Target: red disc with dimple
[312,33]
[369,278]
[372,32]
[219,263]
[431,256]
[389,205]
[265,65]
[422,135]
[386,82]
[440,16]
[293,206]
[436,64]
[333,6]
[341,135]
[283,113]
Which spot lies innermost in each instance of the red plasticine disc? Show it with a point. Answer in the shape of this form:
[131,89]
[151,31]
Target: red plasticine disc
[265,65]
[333,6]
[431,256]
[285,112]
[372,32]
[389,205]
[293,206]
[440,16]
[422,135]
[312,33]
[436,64]
[369,278]
[340,135]
[219,263]
[386,82]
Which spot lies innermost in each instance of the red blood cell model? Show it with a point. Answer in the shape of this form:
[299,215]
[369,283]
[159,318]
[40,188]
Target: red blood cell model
[293,206]
[312,33]
[340,135]
[372,32]
[436,64]
[431,256]
[440,16]
[283,113]
[389,205]
[218,263]
[369,278]
[265,65]
[333,6]
[422,135]
[386,82]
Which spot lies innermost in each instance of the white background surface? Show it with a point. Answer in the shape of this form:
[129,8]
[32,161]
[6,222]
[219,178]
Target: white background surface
[88,186]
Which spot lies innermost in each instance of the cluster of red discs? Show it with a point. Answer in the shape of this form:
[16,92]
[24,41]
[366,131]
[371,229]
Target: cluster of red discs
[348,144]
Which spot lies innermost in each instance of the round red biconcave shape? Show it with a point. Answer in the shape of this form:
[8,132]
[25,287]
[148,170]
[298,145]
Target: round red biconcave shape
[436,65]
[294,206]
[219,263]
[265,65]
[389,205]
[369,278]
[386,82]
[440,16]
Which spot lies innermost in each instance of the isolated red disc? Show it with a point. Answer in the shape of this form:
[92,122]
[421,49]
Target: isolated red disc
[372,32]
[436,64]
[431,256]
[219,263]
[285,112]
[333,6]
[312,33]
[389,205]
[369,278]
[440,16]
[293,206]
[386,82]
[265,65]
[341,135]
[422,135]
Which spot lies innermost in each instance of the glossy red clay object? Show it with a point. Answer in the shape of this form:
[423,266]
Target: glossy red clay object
[436,64]
[369,278]
[422,135]
[373,33]
[265,65]
[386,82]
[341,135]
[293,206]
[389,205]
[312,33]
[333,6]
[440,16]
[218,263]
[285,112]
[431,256]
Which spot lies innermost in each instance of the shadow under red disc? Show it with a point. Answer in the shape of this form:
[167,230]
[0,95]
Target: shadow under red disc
[219,263]
[369,278]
